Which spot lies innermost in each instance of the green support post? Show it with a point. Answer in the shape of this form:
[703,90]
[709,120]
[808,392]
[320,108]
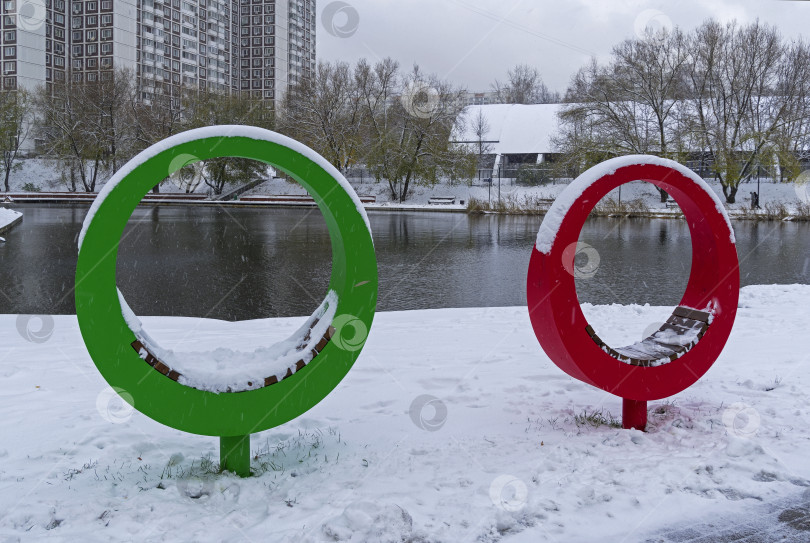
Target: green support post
[234,454]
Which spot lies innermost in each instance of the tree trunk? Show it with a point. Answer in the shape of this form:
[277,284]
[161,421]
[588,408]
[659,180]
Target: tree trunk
[95,175]
[393,186]
[405,185]
[72,178]
[730,193]
[156,189]
[8,174]
[664,195]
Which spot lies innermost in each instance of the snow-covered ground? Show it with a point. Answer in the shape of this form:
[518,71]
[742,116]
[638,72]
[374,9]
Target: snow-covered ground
[45,175]
[787,193]
[452,426]
[7,217]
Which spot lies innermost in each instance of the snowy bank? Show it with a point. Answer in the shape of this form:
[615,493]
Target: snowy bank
[45,174]
[8,219]
[452,426]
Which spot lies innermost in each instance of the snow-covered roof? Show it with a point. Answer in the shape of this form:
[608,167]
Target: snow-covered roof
[516,128]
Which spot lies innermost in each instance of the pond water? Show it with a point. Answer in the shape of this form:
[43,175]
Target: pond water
[245,263]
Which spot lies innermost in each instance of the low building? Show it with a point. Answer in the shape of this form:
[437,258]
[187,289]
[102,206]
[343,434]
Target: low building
[510,135]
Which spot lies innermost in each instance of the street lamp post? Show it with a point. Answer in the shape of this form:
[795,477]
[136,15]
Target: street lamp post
[499,185]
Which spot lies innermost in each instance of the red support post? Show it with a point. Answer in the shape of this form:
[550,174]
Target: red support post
[634,414]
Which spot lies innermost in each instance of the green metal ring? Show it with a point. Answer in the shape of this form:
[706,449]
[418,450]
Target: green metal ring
[108,337]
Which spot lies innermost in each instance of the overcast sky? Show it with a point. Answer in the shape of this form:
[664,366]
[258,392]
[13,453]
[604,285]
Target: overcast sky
[473,42]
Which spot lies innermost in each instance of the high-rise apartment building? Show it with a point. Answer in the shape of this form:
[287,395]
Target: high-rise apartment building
[255,46]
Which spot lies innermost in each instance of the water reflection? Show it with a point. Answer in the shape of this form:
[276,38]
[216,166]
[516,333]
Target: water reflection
[247,263]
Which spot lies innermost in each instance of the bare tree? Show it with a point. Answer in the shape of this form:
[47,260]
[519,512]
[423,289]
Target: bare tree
[87,124]
[480,129]
[743,93]
[324,112]
[377,87]
[407,122]
[789,140]
[631,105]
[155,119]
[524,86]
[205,108]
[15,122]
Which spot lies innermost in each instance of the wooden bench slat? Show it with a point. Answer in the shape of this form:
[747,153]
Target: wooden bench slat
[684,320]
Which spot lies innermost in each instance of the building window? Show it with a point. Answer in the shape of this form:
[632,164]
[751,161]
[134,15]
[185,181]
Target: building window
[92,76]
[10,51]
[10,67]
[10,35]
[106,19]
[106,48]
[92,49]
[92,63]
[106,34]
[92,20]
[106,62]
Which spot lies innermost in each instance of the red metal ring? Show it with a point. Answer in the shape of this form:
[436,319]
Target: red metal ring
[554,308]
